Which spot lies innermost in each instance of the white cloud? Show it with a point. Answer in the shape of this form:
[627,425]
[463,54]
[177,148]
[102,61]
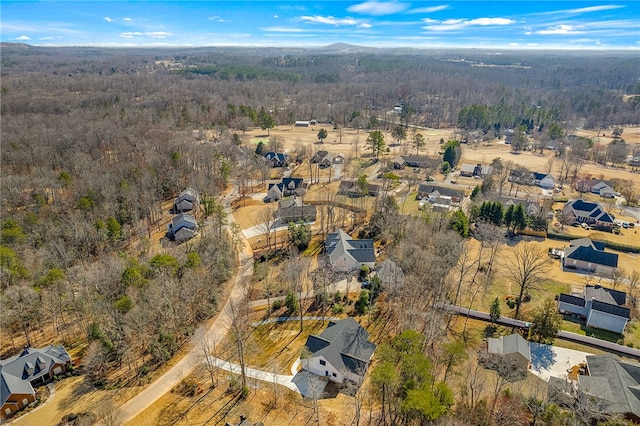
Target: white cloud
[378,8]
[152,34]
[560,30]
[364,25]
[157,34]
[128,19]
[46,38]
[458,24]
[514,44]
[330,20]
[588,9]
[282,29]
[106,18]
[430,21]
[429,9]
[23,38]
[275,16]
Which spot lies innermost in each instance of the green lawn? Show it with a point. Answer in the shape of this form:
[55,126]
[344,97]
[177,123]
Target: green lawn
[579,328]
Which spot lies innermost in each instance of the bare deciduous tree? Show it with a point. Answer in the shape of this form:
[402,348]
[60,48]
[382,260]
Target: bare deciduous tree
[526,265]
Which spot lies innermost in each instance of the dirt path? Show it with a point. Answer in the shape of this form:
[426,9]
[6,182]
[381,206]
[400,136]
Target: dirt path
[193,358]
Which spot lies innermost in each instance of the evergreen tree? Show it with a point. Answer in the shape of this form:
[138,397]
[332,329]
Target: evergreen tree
[494,311]
[545,323]
[519,218]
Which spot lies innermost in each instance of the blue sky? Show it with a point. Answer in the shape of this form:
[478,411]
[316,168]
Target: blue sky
[503,24]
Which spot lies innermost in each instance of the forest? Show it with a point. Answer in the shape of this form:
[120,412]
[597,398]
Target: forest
[96,143]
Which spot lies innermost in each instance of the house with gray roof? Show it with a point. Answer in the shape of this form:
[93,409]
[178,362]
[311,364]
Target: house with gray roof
[512,349]
[599,306]
[579,211]
[611,387]
[183,227]
[341,352]
[586,255]
[186,201]
[350,188]
[604,188]
[20,374]
[480,170]
[439,193]
[293,210]
[347,254]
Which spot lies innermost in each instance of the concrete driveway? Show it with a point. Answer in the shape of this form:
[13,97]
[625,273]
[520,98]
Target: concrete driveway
[553,361]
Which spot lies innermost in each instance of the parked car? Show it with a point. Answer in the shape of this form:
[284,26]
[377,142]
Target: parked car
[365,284]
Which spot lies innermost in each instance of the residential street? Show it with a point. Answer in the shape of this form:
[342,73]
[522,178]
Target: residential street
[186,365]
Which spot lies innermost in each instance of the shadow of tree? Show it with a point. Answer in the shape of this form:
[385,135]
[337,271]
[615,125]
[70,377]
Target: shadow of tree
[542,356]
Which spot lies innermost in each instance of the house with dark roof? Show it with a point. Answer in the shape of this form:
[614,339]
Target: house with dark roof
[579,211]
[341,352]
[599,306]
[350,188]
[611,386]
[183,227]
[525,177]
[347,254]
[186,201]
[480,170]
[586,255]
[436,193]
[286,187]
[293,210]
[416,161]
[20,374]
[512,349]
[277,159]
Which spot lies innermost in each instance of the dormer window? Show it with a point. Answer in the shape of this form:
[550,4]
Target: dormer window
[40,363]
[28,368]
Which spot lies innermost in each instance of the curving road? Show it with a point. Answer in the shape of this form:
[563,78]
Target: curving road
[193,358]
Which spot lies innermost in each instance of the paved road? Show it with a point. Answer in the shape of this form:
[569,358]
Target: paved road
[193,358]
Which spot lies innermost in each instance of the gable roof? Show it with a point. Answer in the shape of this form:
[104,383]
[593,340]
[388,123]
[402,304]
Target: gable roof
[339,243]
[183,220]
[345,344]
[350,185]
[586,242]
[614,381]
[592,210]
[513,343]
[295,212]
[17,373]
[591,255]
[572,300]
[608,308]
[427,188]
[606,295]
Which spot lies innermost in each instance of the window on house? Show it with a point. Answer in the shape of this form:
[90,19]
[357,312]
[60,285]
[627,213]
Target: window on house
[335,375]
[323,362]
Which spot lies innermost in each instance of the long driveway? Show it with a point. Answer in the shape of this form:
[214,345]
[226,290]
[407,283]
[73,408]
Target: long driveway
[193,358]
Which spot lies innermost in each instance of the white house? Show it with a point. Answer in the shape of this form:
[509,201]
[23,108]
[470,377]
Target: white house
[347,254]
[600,307]
[341,352]
[578,211]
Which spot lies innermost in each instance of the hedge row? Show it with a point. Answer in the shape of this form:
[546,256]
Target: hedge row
[610,244]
